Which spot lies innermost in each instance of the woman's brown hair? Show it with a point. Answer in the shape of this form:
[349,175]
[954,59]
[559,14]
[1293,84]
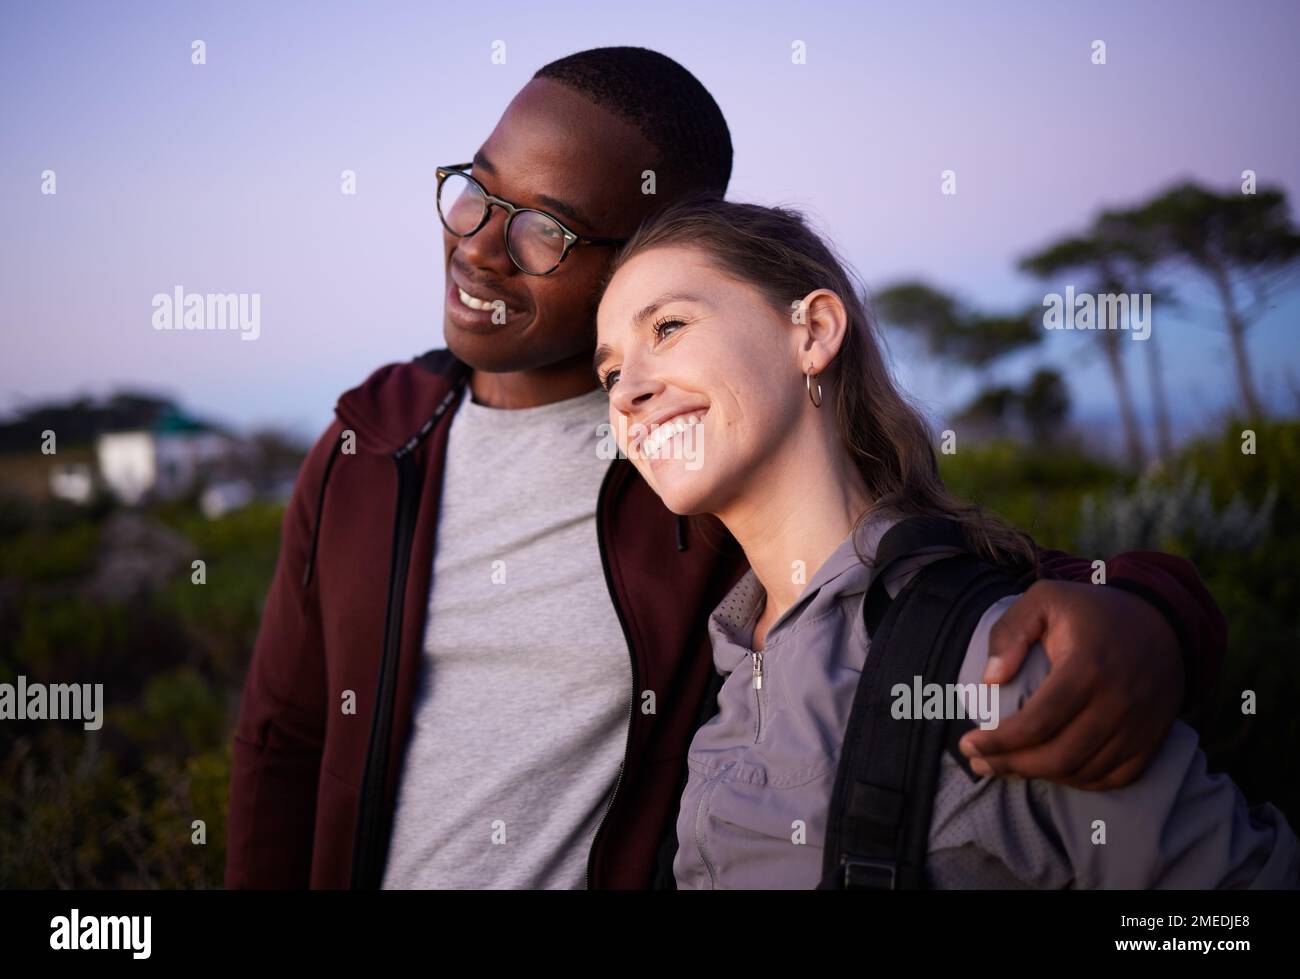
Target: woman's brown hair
[776,251]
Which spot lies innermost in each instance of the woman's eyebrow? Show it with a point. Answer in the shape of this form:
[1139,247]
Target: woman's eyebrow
[648,310]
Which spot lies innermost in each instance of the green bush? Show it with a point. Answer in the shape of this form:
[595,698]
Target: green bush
[1235,516]
[43,554]
[117,807]
[1039,490]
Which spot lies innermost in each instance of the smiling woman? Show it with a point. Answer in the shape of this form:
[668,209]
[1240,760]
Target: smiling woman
[716,319]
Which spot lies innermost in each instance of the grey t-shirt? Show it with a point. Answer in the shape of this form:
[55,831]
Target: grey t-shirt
[520,719]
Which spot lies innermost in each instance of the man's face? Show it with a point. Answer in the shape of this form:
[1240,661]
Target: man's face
[556,151]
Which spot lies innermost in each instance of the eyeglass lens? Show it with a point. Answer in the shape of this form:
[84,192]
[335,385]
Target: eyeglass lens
[535,241]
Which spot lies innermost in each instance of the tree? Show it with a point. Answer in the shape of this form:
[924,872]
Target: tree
[1245,247]
[1040,406]
[1137,256]
[950,330]
[961,336]
[1044,403]
[1093,256]
[923,310]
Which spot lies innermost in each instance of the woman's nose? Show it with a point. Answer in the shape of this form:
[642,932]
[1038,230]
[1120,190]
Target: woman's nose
[633,390]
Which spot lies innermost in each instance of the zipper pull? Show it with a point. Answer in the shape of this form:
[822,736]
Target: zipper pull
[758,669]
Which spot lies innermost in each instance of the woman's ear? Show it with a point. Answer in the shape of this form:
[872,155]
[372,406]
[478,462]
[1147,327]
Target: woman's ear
[822,322]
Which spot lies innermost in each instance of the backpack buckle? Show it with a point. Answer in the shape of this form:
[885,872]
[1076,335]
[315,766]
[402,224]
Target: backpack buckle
[862,873]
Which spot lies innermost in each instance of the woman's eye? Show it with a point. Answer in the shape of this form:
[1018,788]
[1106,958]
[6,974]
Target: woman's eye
[663,327]
[608,379]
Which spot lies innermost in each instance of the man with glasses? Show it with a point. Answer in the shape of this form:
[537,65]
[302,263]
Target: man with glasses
[484,653]
[536,242]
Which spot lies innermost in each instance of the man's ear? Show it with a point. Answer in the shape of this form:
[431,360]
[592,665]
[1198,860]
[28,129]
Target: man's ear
[822,323]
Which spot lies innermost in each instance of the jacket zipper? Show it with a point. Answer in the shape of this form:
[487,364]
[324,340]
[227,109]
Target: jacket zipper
[366,846]
[627,636]
[758,691]
[369,837]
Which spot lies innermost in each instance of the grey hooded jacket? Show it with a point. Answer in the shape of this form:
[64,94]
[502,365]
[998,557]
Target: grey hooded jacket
[753,813]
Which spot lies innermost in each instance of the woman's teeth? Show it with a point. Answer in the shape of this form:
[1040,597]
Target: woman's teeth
[653,442]
[473,302]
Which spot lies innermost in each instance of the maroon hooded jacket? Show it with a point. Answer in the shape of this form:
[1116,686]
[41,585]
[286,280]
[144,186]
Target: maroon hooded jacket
[327,702]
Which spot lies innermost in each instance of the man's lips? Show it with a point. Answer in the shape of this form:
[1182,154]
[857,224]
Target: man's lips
[482,297]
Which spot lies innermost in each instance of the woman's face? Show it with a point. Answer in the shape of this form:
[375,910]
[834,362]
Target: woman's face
[703,375]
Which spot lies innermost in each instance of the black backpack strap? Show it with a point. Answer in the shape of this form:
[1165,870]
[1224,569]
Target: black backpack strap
[903,540]
[915,534]
[878,824]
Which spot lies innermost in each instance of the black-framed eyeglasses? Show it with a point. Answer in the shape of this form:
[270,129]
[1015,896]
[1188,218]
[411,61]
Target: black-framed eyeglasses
[537,242]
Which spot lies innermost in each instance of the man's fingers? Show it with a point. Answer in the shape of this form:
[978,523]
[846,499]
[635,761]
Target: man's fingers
[1108,756]
[1022,625]
[1125,774]
[1049,708]
[1059,759]
[1124,758]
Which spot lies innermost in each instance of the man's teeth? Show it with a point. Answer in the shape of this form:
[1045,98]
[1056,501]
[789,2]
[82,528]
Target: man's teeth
[473,302]
[662,433]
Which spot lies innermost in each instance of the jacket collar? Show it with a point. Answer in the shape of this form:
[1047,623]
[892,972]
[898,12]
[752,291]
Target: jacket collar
[391,409]
[841,575]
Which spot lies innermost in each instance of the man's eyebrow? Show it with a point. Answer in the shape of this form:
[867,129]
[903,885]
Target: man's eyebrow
[568,210]
[481,162]
[603,351]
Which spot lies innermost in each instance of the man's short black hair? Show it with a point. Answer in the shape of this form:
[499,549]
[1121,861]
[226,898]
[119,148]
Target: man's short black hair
[667,105]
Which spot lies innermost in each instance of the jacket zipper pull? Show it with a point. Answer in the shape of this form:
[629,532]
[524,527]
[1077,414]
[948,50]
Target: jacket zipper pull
[758,670]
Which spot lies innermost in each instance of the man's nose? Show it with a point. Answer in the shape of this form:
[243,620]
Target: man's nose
[486,248]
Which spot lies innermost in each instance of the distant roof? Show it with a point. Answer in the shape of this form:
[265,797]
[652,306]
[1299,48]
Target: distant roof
[173,420]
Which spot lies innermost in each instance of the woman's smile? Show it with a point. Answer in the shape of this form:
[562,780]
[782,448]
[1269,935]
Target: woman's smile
[649,439]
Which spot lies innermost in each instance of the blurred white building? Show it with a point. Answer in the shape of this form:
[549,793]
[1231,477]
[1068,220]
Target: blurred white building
[163,461]
[73,481]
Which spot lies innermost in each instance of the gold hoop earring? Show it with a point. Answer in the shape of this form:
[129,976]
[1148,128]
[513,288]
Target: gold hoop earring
[817,401]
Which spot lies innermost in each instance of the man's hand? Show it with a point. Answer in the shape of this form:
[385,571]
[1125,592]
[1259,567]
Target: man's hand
[1108,702]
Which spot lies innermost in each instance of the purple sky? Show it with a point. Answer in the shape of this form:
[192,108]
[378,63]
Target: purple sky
[225,177]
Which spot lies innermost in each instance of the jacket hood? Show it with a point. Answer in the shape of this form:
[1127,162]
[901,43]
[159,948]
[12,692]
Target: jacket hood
[391,408]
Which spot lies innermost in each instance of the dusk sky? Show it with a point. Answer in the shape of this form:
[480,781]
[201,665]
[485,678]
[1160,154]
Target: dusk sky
[225,177]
